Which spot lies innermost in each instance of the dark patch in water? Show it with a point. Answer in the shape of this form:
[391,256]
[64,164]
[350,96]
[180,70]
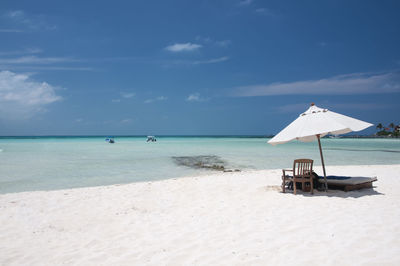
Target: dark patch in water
[362,150]
[210,162]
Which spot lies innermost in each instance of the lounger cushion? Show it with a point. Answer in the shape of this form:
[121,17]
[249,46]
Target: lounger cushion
[335,177]
[342,180]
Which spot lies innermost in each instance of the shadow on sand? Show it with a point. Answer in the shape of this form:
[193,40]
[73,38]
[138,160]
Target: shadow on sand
[342,194]
[330,193]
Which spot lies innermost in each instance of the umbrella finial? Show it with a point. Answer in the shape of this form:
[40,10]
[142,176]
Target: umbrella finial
[312,104]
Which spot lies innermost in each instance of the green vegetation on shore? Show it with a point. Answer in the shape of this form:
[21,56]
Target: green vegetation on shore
[391,131]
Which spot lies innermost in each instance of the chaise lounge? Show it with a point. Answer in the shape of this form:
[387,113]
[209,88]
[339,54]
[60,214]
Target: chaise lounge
[348,183]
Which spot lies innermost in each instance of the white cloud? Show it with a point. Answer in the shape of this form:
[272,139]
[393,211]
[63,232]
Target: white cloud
[36,60]
[183,47]
[16,14]
[223,43]
[197,62]
[50,68]
[211,61]
[19,52]
[29,22]
[358,83]
[22,98]
[210,41]
[245,2]
[128,95]
[267,12]
[203,39]
[160,98]
[195,97]
[125,95]
[126,121]
[11,30]
[33,62]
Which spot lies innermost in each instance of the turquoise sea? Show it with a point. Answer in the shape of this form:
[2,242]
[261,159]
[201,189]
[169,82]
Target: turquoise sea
[48,163]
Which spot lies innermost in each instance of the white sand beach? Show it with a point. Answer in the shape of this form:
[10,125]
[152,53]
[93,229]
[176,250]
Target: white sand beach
[219,219]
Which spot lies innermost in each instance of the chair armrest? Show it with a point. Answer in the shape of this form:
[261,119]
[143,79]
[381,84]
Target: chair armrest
[286,170]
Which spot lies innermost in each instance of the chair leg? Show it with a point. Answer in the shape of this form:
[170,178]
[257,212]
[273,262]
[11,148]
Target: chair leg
[283,184]
[294,186]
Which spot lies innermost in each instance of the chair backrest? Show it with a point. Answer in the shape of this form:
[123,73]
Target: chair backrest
[302,167]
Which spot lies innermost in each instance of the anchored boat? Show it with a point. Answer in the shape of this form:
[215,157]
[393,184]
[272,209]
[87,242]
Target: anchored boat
[151,139]
[110,140]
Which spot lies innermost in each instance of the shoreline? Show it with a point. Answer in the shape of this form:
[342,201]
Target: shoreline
[317,169]
[237,218]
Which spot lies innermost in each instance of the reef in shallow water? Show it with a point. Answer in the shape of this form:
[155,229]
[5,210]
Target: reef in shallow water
[211,162]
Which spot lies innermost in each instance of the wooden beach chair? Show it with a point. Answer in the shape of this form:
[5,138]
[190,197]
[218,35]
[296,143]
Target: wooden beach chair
[301,173]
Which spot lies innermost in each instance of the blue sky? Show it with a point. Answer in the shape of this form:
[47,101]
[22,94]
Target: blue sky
[194,67]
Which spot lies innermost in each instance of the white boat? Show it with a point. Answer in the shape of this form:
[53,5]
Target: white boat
[110,140]
[151,139]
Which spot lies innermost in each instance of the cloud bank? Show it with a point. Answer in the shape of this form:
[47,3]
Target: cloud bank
[22,98]
[358,83]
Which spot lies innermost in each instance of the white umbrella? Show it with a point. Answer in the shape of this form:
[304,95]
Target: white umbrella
[316,123]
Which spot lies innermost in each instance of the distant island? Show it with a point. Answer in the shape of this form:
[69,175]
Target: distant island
[390,131]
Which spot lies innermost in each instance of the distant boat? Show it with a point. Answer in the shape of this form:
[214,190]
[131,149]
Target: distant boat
[151,139]
[110,140]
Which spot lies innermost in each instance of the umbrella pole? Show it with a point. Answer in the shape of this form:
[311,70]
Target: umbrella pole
[322,160]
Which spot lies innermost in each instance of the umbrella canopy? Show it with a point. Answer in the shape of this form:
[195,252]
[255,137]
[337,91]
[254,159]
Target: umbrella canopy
[316,123]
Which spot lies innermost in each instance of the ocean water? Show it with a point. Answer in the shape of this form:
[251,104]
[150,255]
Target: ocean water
[48,163]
